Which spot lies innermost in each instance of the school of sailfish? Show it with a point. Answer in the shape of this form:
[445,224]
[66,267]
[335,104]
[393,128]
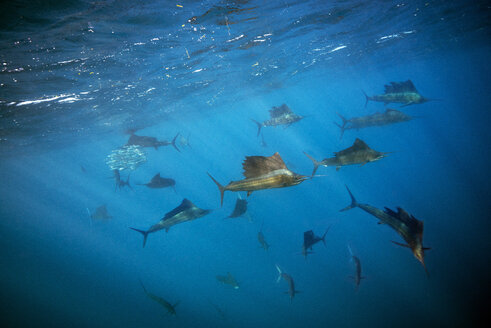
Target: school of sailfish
[263,172]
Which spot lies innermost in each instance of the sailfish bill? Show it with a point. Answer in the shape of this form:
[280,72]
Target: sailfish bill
[261,173]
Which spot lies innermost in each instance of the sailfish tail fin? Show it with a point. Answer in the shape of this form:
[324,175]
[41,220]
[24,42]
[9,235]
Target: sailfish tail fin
[220,187]
[353,202]
[259,126]
[316,164]
[173,143]
[342,127]
[144,233]
[279,273]
[350,250]
[324,236]
[367,98]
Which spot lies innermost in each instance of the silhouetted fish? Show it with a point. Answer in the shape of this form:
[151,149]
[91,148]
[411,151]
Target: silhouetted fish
[310,239]
[390,116]
[282,115]
[219,310]
[101,213]
[171,308]
[187,211]
[357,277]
[228,280]
[261,239]
[262,173]
[406,225]
[120,183]
[144,141]
[399,92]
[291,285]
[159,182]
[240,208]
[358,153]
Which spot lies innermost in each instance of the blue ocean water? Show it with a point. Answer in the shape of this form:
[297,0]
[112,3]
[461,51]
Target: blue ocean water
[76,76]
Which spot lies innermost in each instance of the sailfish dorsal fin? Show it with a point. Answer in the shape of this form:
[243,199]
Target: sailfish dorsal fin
[156,177]
[308,234]
[359,145]
[400,87]
[256,166]
[185,204]
[279,111]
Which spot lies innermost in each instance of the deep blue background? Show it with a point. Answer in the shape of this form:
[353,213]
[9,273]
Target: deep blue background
[59,268]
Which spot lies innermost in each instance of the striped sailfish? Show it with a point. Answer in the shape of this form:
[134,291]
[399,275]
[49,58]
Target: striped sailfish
[262,173]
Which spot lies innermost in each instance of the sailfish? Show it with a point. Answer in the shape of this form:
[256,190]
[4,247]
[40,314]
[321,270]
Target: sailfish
[399,92]
[262,173]
[187,211]
[282,115]
[171,308]
[406,225]
[310,239]
[358,153]
[390,116]
[228,280]
[158,182]
[145,141]
[240,208]
[291,284]
[100,213]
